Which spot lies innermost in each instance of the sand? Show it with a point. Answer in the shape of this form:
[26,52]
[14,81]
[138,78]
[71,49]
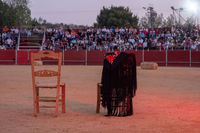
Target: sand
[167,101]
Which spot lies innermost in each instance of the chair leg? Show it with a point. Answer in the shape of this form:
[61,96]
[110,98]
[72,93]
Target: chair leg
[35,108]
[35,102]
[37,94]
[63,99]
[98,99]
[57,100]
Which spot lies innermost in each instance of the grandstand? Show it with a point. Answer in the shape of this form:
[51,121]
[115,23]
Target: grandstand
[165,46]
[164,37]
[32,42]
[30,39]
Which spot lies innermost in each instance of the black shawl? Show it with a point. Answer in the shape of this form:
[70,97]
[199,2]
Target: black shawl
[119,83]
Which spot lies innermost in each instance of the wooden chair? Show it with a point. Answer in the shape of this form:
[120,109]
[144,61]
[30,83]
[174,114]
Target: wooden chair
[46,74]
[99,85]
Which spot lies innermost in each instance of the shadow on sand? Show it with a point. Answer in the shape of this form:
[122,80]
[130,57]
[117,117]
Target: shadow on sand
[81,107]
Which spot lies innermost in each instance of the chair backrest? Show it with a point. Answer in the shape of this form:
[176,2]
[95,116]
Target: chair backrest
[36,61]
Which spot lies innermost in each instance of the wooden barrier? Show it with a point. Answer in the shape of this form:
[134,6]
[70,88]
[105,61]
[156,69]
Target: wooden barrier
[195,58]
[156,56]
[22,57]
[74,57]
[178,58]
[96,57]
[7,57]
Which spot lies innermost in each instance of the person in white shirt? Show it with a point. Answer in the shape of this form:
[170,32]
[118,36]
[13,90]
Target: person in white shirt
[9,42]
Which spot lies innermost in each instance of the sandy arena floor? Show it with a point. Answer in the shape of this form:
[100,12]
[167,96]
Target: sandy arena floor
[167,101]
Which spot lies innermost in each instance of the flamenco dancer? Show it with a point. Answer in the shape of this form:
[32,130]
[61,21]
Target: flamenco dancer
[119,83]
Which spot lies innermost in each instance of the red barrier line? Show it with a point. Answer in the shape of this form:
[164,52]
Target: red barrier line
[195,62]
[74,60]
[65,60]
[96,57]
[177,62]
[7,60]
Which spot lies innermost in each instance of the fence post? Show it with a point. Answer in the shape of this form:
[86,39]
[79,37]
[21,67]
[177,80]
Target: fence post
[17,48]
[16,56]
[63,57]
[86,54]
[143,55]
[44,38]
[166,55]
[190,57]
[18,42]
[28,60]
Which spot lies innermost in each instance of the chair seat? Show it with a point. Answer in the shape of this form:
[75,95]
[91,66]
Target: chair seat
[47,85]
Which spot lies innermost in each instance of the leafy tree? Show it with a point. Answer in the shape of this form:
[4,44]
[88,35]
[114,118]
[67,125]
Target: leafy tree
[34,22]
[23,13]
[14,12]
[116,16]
[5,14]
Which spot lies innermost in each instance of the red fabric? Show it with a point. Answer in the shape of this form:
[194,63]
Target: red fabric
[117,53]
[110,58]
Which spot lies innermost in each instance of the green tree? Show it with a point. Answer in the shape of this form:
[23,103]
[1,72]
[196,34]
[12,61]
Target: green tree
[5,14]
[23,13]
[14,12]
[34,22]
[116,16]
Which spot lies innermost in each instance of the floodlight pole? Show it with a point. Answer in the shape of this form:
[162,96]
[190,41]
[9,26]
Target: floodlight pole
[150,10]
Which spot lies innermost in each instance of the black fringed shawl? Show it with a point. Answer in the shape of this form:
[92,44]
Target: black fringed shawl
[119,83]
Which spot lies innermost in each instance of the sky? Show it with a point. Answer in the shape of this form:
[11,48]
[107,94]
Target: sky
[84,12]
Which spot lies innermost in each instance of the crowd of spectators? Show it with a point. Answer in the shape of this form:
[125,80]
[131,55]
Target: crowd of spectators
[123,38]
[175,37]
[8,37]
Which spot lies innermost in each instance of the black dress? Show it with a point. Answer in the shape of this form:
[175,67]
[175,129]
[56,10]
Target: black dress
[119,83]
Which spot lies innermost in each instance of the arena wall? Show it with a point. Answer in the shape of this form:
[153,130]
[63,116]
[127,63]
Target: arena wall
[94,57]
[7,57]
